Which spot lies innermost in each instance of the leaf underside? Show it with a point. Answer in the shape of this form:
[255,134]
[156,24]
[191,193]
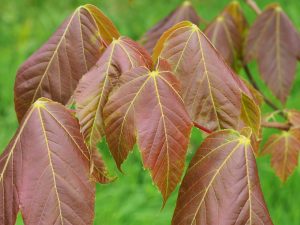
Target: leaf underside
[49,180]
[221,185]
[54,70]
[274,42]
[149,104]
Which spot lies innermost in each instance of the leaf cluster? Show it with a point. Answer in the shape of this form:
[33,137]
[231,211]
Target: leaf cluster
[88,82]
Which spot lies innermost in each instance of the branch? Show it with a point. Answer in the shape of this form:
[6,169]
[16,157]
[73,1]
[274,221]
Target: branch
[254,84]
[276,125]
[253,6]
[202,128]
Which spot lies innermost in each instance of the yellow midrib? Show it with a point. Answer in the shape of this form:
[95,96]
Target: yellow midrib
[101,94]
[229,38]
[286,147]
[208,81]
[248,184]
[213,178]
[278,58]
[165,133]
[51,165]
[52,57]
[215,32]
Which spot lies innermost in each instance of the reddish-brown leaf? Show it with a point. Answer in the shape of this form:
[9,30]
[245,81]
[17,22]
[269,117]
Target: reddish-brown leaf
[9,205]
[55,69]
[226,33]
[181,13]
[210,89]
[294,118]
[284,148]
[45,170]
[274,42]
[149,102]
[222,185]
[94,88]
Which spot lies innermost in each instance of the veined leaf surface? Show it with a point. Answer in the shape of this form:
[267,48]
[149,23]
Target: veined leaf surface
[226,32]
[55,69]
[210,89]
[294,118]
[94,88]
[181,13]
[50,178]
[222,185]
[274,42]
[284,148]
[149,102]
[251,114]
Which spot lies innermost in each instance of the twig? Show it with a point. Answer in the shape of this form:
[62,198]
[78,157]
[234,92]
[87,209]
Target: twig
[202,128]
[253,6]
[254,84]
[276,125]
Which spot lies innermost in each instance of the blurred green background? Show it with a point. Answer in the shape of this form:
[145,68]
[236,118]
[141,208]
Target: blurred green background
[132,199]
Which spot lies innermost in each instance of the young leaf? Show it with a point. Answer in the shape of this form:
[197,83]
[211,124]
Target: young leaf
[284,149]
[93,89]
[222,185]
[251,114]
[55,69]
[235,10]
[149,101]
[50,178]
[183,12]
[226,32]
[210,89]
[274,42]
[257,96]
[294,118]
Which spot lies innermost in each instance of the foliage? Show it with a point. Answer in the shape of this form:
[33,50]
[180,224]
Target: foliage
[119,92]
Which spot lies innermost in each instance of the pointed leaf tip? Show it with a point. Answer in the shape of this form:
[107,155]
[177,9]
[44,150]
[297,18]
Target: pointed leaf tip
[88,31]
[184,12]
[226,33]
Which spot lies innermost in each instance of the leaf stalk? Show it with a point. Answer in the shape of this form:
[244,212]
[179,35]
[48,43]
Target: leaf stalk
[202,128]
[253,5]
[276,125]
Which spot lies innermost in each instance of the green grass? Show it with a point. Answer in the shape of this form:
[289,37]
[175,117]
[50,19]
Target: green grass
[132,199]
